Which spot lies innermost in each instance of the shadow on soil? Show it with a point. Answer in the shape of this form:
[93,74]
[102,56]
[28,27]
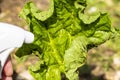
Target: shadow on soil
[85,73]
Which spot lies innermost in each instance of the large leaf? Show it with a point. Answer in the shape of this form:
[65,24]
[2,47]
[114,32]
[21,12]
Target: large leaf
[63,35]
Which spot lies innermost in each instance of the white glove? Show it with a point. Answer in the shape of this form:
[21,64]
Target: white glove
[11,37]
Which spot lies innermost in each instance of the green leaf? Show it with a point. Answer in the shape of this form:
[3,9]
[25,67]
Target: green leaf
[87,18]
[53,73]
[42,15]
[63,35]
[75,56]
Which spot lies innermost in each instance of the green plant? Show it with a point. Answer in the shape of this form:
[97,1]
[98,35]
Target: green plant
[63,35]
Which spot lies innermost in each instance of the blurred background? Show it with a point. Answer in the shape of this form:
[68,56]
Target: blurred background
[103,61]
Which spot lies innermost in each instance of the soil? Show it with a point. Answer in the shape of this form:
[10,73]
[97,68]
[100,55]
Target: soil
[9,11]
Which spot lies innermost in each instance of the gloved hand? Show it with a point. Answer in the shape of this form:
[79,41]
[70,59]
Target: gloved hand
[11,37]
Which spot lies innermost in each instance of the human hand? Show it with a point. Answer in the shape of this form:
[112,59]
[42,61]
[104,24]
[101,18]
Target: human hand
[11,37]
[7,70]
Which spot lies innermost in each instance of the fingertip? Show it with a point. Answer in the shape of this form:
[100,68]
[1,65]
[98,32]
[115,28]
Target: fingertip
[8,70]
[29,37]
